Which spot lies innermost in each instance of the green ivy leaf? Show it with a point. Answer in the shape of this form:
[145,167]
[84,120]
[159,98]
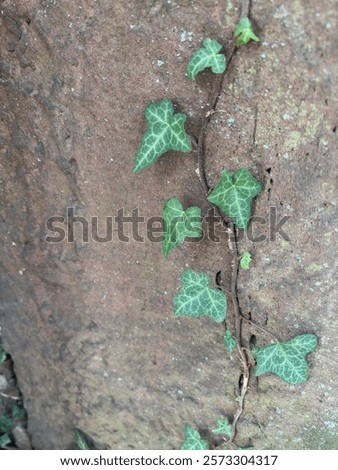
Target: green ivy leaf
[234,193]
[207,56]
[5,424]
[18,412]
[165,131]
[81,440]
[195,298]
[3,354]
[229,341]
[244,32]
[245,260]
[193,440]
[179,224]
[287,360]
[4,441]
[223,427]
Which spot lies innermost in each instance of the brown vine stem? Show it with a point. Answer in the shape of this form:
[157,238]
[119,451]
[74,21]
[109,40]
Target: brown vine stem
[245,368]
[245,9]
[238,325]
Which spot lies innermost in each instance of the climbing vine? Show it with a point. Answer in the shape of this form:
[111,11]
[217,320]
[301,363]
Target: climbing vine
[232,199]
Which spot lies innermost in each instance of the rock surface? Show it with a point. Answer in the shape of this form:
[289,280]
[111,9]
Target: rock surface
[89,325]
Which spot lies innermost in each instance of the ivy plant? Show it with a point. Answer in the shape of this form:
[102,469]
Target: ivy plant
[234,194]
[179,224]
[244,32]
[196,298]
[193,440]
[245,260]
[205,57]
[165,131]
[3,354]
[287,360]
[229,341]
[81,440]
[5,440]
[5,424]
[7,421]
[223,427]
[10,412]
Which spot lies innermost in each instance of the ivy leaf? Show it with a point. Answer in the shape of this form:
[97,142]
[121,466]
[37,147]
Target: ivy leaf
[179,224]
[245,260]
[195,298]
[193,440]
[3,354]
[229,341]
[18,412]
[244,32]
[207,56]
[81,440]
[223,427]
[287,360]
[4,441]
[234,193]
[5,424]
[165,131]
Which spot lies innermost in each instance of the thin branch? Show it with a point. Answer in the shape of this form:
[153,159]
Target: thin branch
[240,407]
[245,9]
[200,141]
[238,327]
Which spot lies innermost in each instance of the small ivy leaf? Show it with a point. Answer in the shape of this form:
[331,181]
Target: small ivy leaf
[18,412]
[234,193]
[244,32]
[193,440]
[223,427]
[5,424]
[207,56]
[229,341]
[179,224]
[165,132]
[287,360]
[81,440]
[3,354]
[195,298]
[4,441]
[245,260]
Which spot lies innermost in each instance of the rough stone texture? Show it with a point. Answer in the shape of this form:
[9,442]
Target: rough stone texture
[89,325]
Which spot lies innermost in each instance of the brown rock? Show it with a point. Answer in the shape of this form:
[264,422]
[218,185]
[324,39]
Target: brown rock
[89,325]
